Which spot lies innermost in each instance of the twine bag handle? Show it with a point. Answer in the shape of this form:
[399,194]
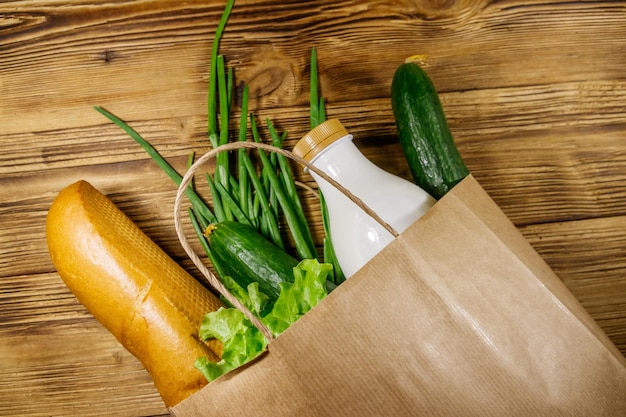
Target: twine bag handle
[210,277]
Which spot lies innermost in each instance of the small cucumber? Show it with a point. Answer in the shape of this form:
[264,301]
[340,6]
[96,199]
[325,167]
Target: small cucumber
[246,256]
[423,131]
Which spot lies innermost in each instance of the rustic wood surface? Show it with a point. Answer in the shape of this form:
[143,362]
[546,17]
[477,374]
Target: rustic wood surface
[534,90]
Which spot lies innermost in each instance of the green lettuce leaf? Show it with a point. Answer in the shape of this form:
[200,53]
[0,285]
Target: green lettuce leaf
[308,288]
[244,342]
[251,297]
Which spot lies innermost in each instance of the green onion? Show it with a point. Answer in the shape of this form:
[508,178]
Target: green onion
[230,87]
[313,93]
[329,250]
[220,213]
[244,187]
[288,184]
[321,117]
[269,173]
[233,207]
[212,99]
[199,229]
[318,116]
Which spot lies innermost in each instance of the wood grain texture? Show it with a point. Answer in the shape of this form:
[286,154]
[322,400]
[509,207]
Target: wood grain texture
[534,92]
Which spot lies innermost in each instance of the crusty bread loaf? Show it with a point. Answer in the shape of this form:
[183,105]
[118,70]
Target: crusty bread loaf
[144,298]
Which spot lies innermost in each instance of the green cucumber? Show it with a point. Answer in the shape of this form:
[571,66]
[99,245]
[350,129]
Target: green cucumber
[246,256]
[423,131]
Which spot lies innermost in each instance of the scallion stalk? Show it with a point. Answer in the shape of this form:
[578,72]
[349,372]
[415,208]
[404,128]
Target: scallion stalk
[288,184]
[268,172]
[318,116]
[244,187]
[313,93]
[212,92]
[220,214]
[199,228]
[228,202]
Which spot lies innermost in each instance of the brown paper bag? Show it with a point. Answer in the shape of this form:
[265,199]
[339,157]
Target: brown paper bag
[459,316]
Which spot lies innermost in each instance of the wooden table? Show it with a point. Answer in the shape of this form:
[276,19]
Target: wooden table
[534,91]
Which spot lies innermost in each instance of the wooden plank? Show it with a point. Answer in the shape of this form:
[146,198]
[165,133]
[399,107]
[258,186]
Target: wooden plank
[58,360]
[54,72]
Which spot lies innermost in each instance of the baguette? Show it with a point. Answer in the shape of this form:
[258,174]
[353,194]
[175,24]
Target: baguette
[149,303]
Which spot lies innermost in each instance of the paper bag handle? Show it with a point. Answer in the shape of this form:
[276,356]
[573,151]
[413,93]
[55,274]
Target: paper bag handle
[211,278]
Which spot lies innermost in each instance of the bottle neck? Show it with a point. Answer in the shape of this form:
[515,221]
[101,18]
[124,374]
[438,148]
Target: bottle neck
[330,149]
[343,161]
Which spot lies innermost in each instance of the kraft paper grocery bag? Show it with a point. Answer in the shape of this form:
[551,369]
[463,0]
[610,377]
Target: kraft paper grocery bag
[459,316]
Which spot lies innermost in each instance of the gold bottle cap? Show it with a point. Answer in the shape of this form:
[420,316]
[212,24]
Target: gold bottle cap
[319,138]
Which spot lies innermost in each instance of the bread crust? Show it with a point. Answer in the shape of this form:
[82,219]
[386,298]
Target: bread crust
[149,303]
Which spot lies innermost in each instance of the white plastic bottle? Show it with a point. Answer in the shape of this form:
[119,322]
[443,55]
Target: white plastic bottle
[356,236]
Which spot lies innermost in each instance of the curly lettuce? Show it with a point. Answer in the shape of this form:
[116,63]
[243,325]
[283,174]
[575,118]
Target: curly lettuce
[242,340]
